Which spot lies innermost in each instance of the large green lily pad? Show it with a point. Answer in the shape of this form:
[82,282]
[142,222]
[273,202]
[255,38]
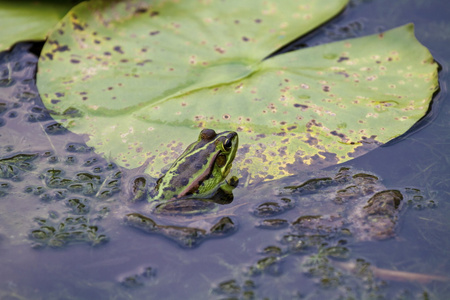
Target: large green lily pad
[29,19]
[141,78]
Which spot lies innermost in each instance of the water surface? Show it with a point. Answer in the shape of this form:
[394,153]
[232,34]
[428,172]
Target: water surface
[105,259]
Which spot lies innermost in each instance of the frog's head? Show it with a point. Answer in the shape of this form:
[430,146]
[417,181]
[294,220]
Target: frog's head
[202,167]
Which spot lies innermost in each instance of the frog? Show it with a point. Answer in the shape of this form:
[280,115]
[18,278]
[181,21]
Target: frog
[200,171]
[193,184]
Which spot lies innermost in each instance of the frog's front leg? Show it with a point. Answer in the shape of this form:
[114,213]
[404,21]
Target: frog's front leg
[224,193]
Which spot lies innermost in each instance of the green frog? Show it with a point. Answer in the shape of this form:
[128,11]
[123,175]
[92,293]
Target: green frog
[202,168]
[199,172]
[194,183]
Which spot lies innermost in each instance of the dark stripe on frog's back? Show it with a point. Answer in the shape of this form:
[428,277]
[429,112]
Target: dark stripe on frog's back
[200,177]
[194,161]
[185,165]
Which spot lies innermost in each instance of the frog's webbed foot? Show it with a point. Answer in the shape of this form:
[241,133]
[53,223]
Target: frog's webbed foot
[135,189]
[138,189]
[136,184]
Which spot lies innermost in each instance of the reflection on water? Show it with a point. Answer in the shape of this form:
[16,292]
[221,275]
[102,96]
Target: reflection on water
[330,234]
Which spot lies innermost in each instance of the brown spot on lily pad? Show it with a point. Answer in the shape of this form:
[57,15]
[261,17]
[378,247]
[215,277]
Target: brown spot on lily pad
[118,49]
[342,58]
[61,48]
[343,73]
[282,151]
[312,141]
[219,50]
[335,133]
[140,10]
[291,127]
[77,26]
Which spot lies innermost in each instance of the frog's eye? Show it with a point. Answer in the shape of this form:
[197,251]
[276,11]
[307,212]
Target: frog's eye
[227,144]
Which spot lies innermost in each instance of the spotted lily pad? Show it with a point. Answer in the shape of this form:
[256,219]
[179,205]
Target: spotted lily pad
[141,79]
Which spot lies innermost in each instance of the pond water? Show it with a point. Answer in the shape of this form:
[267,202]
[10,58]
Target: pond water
[63,236]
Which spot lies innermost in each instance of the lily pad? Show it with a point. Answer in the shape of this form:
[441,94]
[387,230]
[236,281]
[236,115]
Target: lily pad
[29,20]
[141,79]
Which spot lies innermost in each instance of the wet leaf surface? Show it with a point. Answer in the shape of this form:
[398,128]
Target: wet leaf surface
[143,78]
[29,20]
